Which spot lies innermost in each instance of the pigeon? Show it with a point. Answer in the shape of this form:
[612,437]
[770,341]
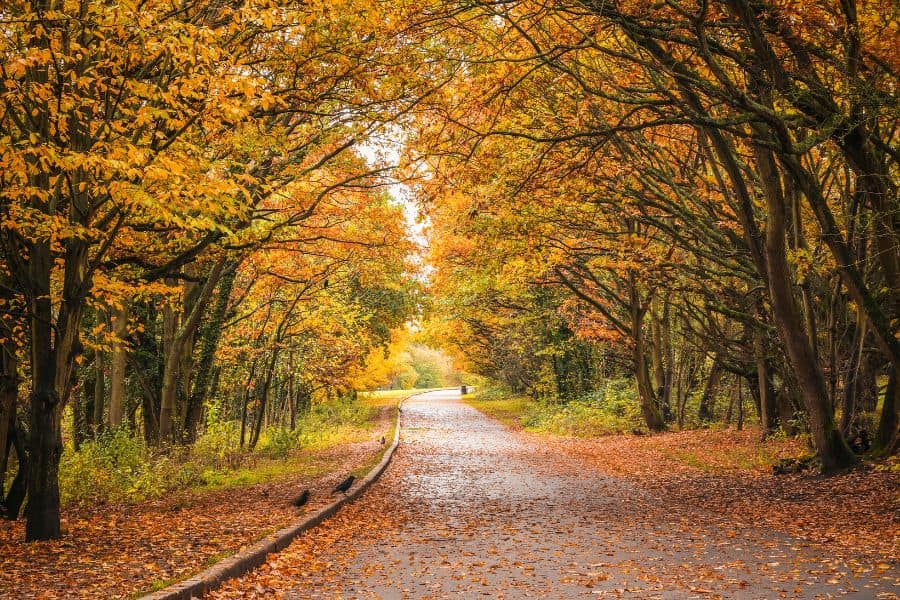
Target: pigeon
[302,499]
[382,440]
[344,485]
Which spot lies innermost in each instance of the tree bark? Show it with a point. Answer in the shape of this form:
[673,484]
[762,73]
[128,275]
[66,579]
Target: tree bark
[851,375]
[263,399]
[889,424]
[649,408]
[169,376]
[9,392]
[88,383]
[830,444]
[763,390]
[178,342]
[709,391]
[210,334]
[117,368]
[42,512]
[18,489]
[99,392]
[246,400]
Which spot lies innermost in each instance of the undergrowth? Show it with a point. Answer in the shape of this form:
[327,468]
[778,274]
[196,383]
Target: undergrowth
[120,467]
[611,409]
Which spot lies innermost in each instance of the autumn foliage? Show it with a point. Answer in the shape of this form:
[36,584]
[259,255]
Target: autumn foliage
[197,224]
[189,224]
[700,196]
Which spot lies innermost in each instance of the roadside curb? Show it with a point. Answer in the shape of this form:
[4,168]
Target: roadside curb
[255,555]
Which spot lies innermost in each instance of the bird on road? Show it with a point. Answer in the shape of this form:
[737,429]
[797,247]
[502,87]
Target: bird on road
[344,485]
[302,499]
[382,440]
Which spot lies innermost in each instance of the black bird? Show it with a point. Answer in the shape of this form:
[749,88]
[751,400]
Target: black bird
[302,499]
[382,440]
[344,485]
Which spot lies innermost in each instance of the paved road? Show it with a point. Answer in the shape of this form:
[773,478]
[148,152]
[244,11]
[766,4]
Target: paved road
[469,509]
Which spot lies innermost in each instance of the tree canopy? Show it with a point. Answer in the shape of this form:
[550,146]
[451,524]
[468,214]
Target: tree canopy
[200,211]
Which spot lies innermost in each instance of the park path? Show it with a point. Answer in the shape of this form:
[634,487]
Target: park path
[470,509]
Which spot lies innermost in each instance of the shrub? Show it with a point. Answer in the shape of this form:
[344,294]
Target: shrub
[611,409]
[220,446]
[278,442]
[120,467]
[113,467]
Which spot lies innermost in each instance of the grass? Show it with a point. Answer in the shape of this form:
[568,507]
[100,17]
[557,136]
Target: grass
[326,438]
[305,462]
[157,585]
[721,450]
[509,411]
[217,557]
[265,470]
[612,409]
[121,468]
[363,469]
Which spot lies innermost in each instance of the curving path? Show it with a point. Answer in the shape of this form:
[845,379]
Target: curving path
[469,509]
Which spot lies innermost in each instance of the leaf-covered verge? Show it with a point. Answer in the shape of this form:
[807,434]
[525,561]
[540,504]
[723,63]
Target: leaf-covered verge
[724,476]
[124,547]
[610,409]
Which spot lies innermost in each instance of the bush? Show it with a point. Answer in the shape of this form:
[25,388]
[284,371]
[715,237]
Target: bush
[119,467]
[113,467]
[278,442]
[220,446]
[611,409]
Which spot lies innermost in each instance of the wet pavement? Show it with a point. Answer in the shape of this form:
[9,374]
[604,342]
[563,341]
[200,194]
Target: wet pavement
[470,509]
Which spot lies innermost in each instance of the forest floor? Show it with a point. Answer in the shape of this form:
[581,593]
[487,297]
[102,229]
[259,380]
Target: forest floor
[123,550]
[470,508]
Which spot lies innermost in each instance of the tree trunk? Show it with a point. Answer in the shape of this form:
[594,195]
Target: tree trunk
[851,376]
[210,335]
[246,401]
[42,512]
[99,393]
[170,375]
[649,408]
[17,490]
[787,414]
[768,415]
[263,398]
[186,358]
[830,444]
[291,392]
[79,422]
[705,413]
[117,368]
[179,339]
[889,424]
[9,392]
[668,355]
